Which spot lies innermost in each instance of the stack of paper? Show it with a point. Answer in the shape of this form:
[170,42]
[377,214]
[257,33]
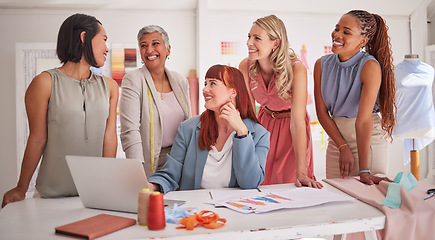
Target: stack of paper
[257,201]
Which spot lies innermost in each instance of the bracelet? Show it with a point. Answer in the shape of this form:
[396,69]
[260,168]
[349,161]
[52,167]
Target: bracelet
[364,171]
[342,145]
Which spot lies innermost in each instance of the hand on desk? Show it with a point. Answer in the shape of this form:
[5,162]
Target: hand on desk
[13,195]
[369,179]
[304,180]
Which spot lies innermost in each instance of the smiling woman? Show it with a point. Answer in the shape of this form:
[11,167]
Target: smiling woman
[223,147]
[355,97]
[278,81]
[71,110]
[154,101]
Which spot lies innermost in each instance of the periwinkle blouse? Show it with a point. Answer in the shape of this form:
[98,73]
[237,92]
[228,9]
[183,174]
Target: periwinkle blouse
[341,84]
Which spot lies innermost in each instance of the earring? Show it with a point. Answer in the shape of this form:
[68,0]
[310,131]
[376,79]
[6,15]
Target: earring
[273,49]
[141,61]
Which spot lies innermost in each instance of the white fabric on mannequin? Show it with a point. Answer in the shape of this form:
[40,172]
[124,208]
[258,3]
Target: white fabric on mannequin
[415,108]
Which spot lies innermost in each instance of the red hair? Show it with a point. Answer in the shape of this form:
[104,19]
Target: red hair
[232,78]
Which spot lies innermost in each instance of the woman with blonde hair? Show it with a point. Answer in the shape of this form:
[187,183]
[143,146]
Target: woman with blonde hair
[278,82]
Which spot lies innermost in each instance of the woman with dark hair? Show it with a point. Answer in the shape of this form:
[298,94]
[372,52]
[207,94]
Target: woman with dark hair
[355,97]
[223,147]
[71,111]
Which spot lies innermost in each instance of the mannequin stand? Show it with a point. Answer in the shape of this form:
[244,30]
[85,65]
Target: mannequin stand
[415,164]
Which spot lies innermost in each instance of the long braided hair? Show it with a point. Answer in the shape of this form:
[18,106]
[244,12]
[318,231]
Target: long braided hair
[374,28]
[281,58]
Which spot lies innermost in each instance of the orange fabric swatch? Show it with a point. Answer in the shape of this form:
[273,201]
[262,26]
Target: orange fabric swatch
[208,219]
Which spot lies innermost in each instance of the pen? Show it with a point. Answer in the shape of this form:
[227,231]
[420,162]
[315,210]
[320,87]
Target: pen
[211,196]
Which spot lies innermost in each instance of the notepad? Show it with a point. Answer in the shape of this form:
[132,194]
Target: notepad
[96,226]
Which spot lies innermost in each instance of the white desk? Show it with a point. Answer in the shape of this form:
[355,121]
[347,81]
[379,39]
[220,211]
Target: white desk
[36,218]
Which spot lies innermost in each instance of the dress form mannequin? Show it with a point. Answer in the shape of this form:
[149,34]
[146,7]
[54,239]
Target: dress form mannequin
[412,57]
[415,108]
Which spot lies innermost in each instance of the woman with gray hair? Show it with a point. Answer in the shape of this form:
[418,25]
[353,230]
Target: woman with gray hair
[154,101]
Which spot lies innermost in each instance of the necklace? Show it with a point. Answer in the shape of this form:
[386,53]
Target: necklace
[161,89]
[162,85]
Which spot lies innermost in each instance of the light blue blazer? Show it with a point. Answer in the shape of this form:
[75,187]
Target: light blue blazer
[184,165]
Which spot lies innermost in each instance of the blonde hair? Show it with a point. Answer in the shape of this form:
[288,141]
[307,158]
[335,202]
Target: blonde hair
[281,57]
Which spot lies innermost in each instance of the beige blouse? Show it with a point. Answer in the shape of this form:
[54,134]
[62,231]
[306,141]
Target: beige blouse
[76,122]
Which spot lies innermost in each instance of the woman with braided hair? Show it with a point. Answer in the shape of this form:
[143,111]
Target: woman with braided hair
[278,81]
[355,97]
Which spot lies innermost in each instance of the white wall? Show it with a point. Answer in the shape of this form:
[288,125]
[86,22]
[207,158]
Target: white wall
[419,30]
[43,25]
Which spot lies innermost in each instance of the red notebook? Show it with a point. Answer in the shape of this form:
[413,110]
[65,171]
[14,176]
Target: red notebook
[97,226]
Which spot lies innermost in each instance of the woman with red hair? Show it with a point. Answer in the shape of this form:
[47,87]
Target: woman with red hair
[223,147]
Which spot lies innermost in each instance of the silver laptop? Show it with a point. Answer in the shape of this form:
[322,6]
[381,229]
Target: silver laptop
[109,183]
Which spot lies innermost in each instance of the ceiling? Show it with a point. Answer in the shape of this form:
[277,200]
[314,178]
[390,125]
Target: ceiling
[387,7]
[99,4]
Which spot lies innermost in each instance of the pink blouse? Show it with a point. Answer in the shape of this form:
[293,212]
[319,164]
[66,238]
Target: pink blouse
[172,116]
[268,96]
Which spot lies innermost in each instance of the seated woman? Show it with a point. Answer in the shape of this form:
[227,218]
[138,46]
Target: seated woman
[223,147]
